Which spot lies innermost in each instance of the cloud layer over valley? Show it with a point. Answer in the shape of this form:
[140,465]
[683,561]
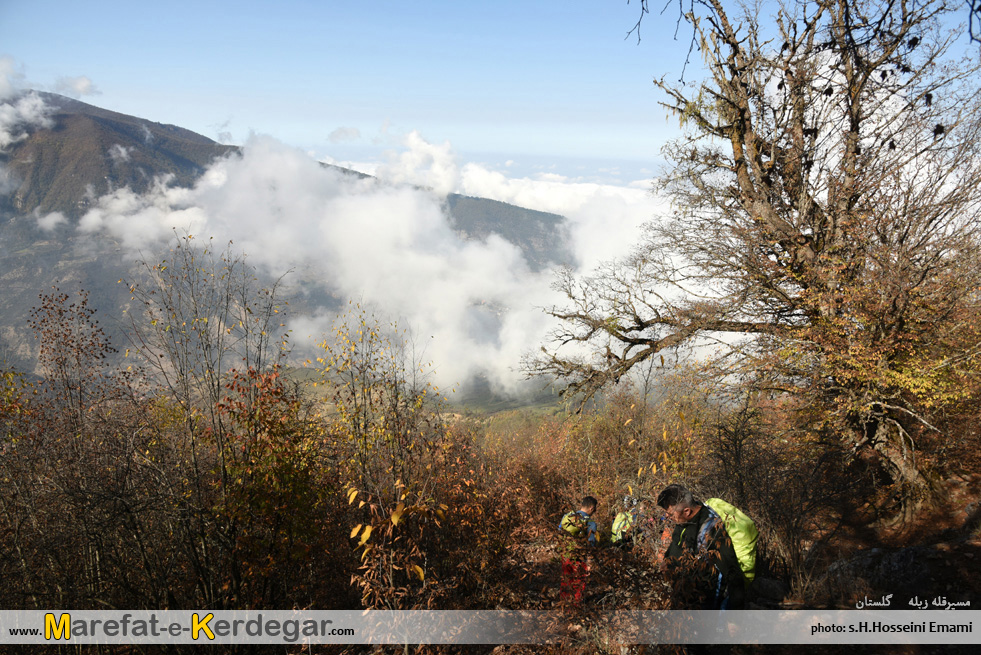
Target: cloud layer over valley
[472,306]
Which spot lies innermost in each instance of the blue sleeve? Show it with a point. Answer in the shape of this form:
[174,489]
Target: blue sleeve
[591,534]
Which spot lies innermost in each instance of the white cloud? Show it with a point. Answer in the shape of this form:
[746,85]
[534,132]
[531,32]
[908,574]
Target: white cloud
[119,153]
[8,182]
[423,164]
[343,134]
[18,115]
[605,219]
[49,222]
[19,111]
[76,87]
[389,245]
[221,131]
[476,305]
[141,221]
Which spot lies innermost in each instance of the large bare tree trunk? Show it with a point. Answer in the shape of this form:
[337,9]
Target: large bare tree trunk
[916,483]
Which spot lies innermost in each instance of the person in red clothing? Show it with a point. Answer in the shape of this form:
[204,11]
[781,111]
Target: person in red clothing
[575,568]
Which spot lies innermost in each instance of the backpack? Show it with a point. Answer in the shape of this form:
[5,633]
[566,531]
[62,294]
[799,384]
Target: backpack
[576,523]
[623,522]
[573,522]
[743,533]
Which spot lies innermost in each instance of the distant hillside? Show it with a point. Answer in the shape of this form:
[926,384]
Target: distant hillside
[91,151]
[542,237]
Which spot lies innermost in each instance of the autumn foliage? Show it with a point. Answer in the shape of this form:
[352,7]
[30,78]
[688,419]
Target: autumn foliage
[125,485]
[195,471]
[144,481]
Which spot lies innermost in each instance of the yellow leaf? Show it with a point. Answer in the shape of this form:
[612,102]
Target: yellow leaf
[365,535]
[356,530]
[419,572]
[351,496]
[628,422]
[397,514]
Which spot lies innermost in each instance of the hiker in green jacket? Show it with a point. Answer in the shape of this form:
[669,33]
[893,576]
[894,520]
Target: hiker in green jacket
[628,525]
[700,554]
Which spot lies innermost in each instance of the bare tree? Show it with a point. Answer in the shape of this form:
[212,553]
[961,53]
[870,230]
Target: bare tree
[825,233]
[974,20]
[200,318]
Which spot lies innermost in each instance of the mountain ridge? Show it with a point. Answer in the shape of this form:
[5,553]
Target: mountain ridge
[91,151]
[88,152]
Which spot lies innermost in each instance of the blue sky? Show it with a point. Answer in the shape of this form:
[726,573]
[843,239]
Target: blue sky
[547,85]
